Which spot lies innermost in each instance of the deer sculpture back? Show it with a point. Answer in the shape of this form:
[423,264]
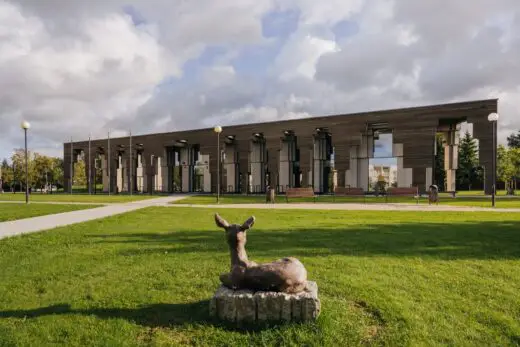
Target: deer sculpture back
[286,275]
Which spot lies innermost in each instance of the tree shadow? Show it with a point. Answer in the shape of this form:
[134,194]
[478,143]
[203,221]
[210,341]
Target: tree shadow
[153,316]
[469,240]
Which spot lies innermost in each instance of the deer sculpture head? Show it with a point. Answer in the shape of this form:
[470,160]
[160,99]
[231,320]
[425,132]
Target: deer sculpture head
[284,275]
[236,238]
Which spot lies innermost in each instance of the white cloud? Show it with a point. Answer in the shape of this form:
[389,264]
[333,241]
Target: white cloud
[74,67]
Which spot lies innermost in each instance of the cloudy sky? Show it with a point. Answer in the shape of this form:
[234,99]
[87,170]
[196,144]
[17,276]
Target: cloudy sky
[72,67]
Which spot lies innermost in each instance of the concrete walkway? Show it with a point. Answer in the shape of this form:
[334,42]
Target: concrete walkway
[30,225]
[356,207]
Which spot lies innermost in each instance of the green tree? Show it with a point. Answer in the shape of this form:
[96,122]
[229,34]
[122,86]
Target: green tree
[513,141]
[18,160]
[505,166]
[7,174]
[80,177]
[467,172]
[440,173]
[42,169]
[56,172]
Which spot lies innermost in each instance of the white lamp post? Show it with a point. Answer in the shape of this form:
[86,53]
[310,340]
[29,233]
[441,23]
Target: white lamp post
[25,126]
[493,118]
[218,130]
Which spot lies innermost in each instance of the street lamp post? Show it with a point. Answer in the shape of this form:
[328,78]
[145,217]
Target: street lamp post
[218,130]
[493,118]
[25,127]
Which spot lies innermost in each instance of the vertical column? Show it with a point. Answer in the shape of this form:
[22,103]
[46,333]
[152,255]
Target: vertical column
[104,172]
[149,168]
[451,158]
[162,179]
[284,172]
[67,175]
[273,162]
[257,160]
[404,175]
[230,164]
[187,161]
[351,175]
[483,131]
[206,181]
[305,145]
[139,173]
[243,166]
[365,151]
[119,173]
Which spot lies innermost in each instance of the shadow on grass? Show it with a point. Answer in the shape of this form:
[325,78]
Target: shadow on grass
[154,316]
[484,240]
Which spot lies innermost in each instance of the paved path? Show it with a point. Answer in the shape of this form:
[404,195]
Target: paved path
[356,207]
[29,225]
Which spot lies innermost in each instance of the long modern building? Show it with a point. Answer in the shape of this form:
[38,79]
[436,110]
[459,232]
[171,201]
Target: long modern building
[289,153]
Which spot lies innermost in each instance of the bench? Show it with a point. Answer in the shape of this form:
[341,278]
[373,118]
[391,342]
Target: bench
[348,191]
[299,193]
[403,191]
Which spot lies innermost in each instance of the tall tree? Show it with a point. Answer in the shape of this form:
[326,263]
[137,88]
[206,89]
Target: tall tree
[504,167]
[467,172]
[513,141]
[7,174]
[80,177]
[440,173]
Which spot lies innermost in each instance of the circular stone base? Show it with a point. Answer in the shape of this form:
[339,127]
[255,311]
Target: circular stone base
[248,306]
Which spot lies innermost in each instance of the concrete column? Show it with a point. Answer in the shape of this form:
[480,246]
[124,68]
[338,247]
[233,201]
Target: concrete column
[451,157]
[204,165]
[257,162]
[273,162]
[119,174]
[104,172]
[429,177]
[360,165]
[162,175]
[483,131]
[284,175]
[160,171]
[404,175]
[230,166]
[321,159]
[139,173]
[351,175]
[187,161]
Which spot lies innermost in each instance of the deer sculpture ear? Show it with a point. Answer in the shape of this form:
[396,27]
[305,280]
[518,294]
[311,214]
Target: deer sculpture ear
[248,223]
[221,222]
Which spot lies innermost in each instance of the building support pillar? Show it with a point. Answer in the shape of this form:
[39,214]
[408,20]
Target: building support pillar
[451,156]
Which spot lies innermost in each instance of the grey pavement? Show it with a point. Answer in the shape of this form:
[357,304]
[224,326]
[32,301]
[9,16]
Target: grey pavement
[356,207]
[34,224]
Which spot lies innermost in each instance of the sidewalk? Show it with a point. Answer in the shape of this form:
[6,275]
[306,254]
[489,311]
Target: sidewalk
[356,207]
[30,225]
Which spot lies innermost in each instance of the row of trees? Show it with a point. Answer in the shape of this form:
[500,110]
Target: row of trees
[509,162]
[43,171]
[470,175]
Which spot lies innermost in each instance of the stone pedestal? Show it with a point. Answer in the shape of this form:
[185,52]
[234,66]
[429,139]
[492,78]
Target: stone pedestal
[246,306]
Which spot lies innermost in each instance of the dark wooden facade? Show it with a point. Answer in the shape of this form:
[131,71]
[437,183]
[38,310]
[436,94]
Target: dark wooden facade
[414,127]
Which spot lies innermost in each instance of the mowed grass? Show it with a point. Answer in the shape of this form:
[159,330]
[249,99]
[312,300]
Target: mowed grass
[145,278]
[63,197]
[501,202]
[14,211]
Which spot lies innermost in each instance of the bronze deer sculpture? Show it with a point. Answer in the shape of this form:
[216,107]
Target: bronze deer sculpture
[286,275]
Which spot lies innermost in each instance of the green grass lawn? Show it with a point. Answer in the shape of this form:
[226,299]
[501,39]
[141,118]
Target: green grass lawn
[386,278]
[501,202]
[63,197]
[16,211]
